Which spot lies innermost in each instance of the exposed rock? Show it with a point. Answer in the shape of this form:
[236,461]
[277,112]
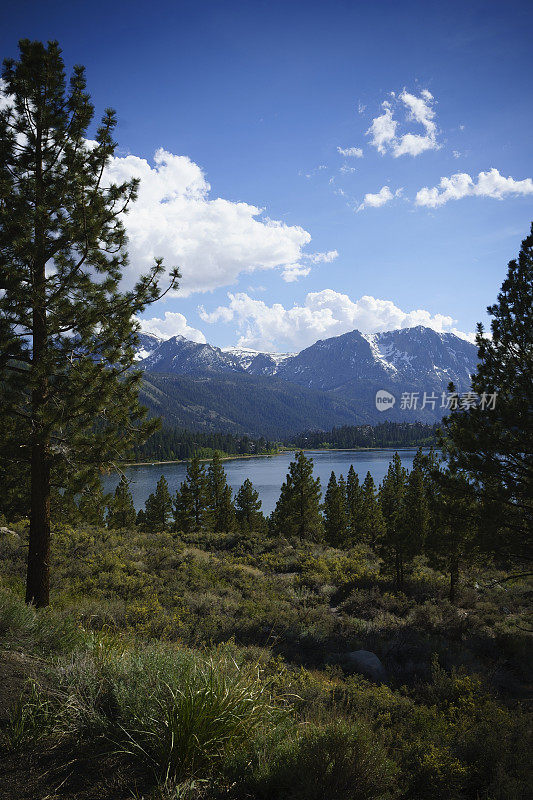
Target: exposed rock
[368,664]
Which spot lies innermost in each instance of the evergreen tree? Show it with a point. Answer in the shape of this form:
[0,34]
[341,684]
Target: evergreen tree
[183,509]
[414,521]
[453,541]
[297,511]
[372,524]
[191,504]
[354,503]
[248,507]
[121,513]
[494,445]
[66,330]
[158,507]
[220,500]
[391,499]
[335,522]
[92,506]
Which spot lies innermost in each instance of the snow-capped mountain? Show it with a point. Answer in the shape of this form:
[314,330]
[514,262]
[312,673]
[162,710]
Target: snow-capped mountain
[339,377]
[414,355]
[411,356]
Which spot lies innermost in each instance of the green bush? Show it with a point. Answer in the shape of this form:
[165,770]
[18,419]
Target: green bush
[339,760]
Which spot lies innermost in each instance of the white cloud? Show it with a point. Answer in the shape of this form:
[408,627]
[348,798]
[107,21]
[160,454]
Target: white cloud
[383,131]
[213,241]
[292,272]
[489,184]
[350,152]
[173,324]
[324,258]
[360,107]
[347,170]
[323,314]
[379,199]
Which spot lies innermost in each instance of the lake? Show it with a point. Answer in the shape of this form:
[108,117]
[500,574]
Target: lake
[267,473]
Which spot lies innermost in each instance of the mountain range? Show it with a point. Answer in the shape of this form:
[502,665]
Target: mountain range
[332,382]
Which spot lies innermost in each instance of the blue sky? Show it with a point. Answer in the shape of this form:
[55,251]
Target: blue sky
[247,104]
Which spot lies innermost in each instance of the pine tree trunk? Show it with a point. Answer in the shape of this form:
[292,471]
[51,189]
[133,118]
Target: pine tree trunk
[38,574]
[38,577]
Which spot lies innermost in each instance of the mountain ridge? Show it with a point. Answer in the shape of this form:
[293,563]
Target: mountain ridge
[333,381]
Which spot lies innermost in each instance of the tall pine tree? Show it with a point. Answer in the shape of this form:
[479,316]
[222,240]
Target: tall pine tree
[391,499]
[158,507]
[335,521]
[121,511]
[492,441]
[248,507]
[191,512]
[354,503]
[66,328]
[297,511]
[219,496]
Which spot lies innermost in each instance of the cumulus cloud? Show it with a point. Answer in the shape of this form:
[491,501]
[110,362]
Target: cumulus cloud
[350,152]
[212,240]
[324,258]
[488,184]
[292,272]
[379,199]
[383,130]
[323,314]
[172,324]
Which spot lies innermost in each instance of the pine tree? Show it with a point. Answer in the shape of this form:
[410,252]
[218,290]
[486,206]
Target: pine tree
[372,524]
[335,521]
[183,510]
[297,511]
[391,499]
[92,506]
[121,513]
[191,511]
[414,521]
[248,507]
[494,445]
[158,507]
[453,541]
[220,501]
[354,503]
[66,330]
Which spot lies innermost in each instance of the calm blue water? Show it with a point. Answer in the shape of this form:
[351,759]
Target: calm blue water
[267,473]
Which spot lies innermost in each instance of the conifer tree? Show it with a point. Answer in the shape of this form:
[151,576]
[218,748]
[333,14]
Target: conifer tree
[219,496]
[335,522]
[414,522]
[158,507]
[191,504]
[492,440]
[248,507]
[297,511]
[372,524]
[391,499]
[121,512]
[354,503]
[183,509]
[92,506]
[66,329]
[453,542]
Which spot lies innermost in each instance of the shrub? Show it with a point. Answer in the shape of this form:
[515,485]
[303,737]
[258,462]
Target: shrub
[320,762]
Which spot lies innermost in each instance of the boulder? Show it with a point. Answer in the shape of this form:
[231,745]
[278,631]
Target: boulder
[368,664]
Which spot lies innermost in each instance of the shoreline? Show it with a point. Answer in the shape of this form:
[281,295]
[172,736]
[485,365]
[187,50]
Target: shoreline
[273,455]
